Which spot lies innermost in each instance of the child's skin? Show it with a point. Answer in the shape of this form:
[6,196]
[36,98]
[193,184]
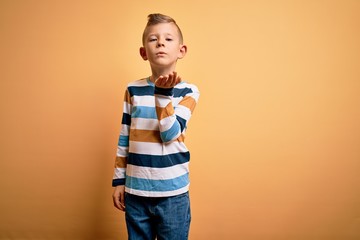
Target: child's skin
[162,47]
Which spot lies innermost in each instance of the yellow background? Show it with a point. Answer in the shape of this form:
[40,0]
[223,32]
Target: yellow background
[275,138]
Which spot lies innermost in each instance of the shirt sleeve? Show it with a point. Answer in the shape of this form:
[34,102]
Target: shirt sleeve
[173,120]
[123,143]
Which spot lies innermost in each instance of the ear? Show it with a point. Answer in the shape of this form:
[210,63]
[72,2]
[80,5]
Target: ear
[182,52]
[143,53]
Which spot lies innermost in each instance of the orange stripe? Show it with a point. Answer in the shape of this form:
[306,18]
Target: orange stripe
[127,97]
[164,112]
[181,138]
[145,136]
[188,102]
[120,162]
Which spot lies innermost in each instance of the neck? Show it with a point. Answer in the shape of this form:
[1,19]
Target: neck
[156,73]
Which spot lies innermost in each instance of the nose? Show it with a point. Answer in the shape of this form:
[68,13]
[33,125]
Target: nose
[160,43]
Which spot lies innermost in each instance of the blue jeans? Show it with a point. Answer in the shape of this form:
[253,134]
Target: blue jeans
[163,218]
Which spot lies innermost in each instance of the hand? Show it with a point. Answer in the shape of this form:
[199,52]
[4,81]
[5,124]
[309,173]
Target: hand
[119,197]
[168,81]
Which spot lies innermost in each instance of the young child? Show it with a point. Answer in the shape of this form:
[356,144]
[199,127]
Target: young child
[151,177]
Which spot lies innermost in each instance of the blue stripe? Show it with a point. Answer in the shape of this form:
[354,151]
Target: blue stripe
[181,92]
[182,123]
[157,185]
[126,119]
[141,91]
[116,182]
[123,141]
[156,161]
[164,91]
[149,91]
[143,112]
[171,132]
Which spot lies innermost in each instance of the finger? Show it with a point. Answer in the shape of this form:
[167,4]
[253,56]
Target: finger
[117,203]
[172,77]
[166,80]
[122,201]
[161,81]
[122,207]
[178,80]
[175,76]
[158,80]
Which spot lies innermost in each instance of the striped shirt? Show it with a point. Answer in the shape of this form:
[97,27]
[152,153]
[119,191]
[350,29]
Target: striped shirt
[152,159]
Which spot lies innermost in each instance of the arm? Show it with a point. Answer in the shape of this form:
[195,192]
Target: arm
[173,122]
[121,155]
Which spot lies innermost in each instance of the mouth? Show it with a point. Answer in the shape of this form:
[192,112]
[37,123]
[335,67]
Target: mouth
[160,53]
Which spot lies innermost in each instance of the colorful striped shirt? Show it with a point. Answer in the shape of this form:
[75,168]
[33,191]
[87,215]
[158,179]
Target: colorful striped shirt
[152,159]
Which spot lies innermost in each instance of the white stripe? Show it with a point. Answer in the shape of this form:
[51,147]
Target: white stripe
[183,85]
[122,151]
[195,96]
[139,83]
[162,101]
[167,123]
[183,112]
[119,173]
[175,101]
[195,91]
[145,123]
[157,194]
[124,130]
[157,173]
[157,148]
[146,101]
[127,107]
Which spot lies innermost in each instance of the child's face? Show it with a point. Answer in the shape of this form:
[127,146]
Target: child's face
[162,45]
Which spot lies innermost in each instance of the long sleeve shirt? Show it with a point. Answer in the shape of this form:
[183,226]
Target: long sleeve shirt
[152,159]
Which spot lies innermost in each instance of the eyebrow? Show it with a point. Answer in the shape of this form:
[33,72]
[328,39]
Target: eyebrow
[155,34]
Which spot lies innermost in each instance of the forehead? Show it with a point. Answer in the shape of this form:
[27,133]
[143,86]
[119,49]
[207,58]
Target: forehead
[162,28]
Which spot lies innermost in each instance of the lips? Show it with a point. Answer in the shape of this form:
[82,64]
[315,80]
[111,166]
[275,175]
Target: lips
[160,53]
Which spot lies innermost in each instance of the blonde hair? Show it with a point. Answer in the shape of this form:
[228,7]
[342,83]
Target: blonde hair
[156,18]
